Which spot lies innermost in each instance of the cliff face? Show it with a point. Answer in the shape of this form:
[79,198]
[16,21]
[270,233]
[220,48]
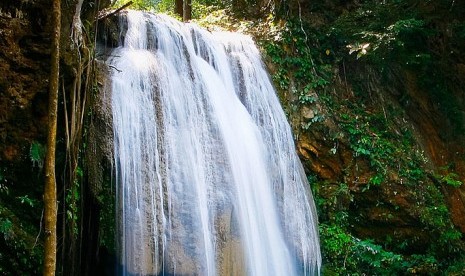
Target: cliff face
[374,92]
[393,162]
[24,68]
[24,71]
[24,54]
[380,130]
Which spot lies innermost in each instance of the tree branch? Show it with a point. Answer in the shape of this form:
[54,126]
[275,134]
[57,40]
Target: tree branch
[103,16]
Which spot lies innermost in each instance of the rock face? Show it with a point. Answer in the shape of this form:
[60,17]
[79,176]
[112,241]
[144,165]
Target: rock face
[400,206]
[24,71]
[442,146]
[388,158]
[24,67]
[100,152]
[24,59]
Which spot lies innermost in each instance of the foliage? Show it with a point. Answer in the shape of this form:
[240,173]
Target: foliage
[200,8]
[3,187]
[21,253]
[72,199]
[373,137]
[107,217]
[20,214]
[28,201]
[37,154]
[5,227]
[386,37]
[301,74]
[380,33]
[345,254]
[445,175]
[398,33]
[451,179]
[384,32]
[142,4]
[290,50]
[433,79]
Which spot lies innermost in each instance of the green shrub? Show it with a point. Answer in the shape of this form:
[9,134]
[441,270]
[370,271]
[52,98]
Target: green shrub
[37,154]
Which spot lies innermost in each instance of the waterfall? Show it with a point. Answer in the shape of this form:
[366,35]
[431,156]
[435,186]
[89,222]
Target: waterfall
[208,181]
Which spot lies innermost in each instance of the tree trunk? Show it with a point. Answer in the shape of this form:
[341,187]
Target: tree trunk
[187,11]
[178,8]
[50,194]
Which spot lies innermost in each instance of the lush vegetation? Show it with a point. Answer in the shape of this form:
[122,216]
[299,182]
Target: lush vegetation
[200,8]
[20,213]
[345,71]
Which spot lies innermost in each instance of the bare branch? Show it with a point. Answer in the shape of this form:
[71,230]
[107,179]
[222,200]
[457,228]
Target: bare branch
[103,16]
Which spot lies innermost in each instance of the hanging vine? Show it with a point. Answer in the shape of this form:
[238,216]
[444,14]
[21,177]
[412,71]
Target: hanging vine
[75,97]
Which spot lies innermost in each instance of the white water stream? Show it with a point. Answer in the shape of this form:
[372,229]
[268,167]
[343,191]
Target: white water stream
[208,181]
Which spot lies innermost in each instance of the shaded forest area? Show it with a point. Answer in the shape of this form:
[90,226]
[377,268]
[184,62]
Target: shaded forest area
[373,90]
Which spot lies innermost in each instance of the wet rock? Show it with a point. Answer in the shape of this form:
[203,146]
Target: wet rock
[230,251]
[100,152]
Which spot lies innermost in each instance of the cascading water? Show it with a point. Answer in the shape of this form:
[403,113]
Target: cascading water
[208,181]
